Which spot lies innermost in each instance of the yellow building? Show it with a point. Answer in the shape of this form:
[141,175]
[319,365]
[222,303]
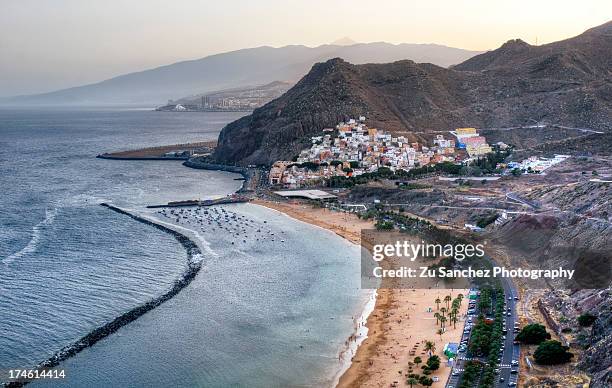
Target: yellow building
[478,149]
[466,132]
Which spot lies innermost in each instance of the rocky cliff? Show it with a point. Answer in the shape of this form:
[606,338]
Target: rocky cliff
[567,82]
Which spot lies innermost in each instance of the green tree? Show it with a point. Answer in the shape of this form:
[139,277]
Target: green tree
[443,321]
[412,381]
[586,319]
[552,352]
[418,360]
[384,225]
[430,346]
[426,381]
[533,334]
[460,298]
[433,362]
[443,310]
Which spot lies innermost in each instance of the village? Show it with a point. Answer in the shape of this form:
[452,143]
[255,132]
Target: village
[353,149]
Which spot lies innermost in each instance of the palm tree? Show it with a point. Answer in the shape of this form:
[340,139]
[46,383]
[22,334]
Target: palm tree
[412,381]
[442,320]
[443,309]
[447,299]
[440,332]
[430,346]
[437,315]
[438,301]
[456,303]
[417,360]
[455,311]
[454,320]
[460,297]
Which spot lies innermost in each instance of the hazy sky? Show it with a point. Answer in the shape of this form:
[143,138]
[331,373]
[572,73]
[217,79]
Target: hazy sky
[51,44]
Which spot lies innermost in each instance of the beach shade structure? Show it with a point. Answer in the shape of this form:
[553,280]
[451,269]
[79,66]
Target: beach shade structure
[450,349]
[473,295]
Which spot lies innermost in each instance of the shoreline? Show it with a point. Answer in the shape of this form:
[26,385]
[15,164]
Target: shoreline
[363,330]
[359,335]
[397,318]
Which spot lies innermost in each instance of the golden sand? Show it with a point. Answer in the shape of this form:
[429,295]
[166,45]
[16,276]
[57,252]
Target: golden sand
[402,318]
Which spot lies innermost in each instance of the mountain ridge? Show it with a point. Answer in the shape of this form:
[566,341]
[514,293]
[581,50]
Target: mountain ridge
[567,82]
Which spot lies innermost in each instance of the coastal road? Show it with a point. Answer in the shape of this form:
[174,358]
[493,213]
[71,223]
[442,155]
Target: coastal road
[511,351]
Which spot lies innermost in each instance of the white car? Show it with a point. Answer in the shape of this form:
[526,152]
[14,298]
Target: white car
[435,379]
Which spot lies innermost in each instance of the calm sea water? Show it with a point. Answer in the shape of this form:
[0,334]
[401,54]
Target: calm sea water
[264,311]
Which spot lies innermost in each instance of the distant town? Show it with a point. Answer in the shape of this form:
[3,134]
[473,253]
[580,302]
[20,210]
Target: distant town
[352,149]
[230,100]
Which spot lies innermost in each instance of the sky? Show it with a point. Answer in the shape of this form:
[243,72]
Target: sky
[52,44]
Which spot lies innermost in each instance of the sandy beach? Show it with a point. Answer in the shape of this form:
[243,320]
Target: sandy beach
[401,321]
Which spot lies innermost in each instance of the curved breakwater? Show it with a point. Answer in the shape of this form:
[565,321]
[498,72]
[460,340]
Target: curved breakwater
[194,264]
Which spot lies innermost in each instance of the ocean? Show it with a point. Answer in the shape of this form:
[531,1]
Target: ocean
[272,306]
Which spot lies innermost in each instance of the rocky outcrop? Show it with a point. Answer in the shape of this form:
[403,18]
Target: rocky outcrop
[567,82]
[597,359]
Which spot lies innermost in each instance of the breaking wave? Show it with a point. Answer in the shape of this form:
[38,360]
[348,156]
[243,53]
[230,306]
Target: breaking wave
[32,245]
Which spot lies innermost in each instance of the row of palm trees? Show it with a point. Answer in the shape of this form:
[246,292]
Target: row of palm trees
[452,308]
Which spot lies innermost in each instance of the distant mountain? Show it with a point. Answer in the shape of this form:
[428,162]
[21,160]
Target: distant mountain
[567,82]
[255,66]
